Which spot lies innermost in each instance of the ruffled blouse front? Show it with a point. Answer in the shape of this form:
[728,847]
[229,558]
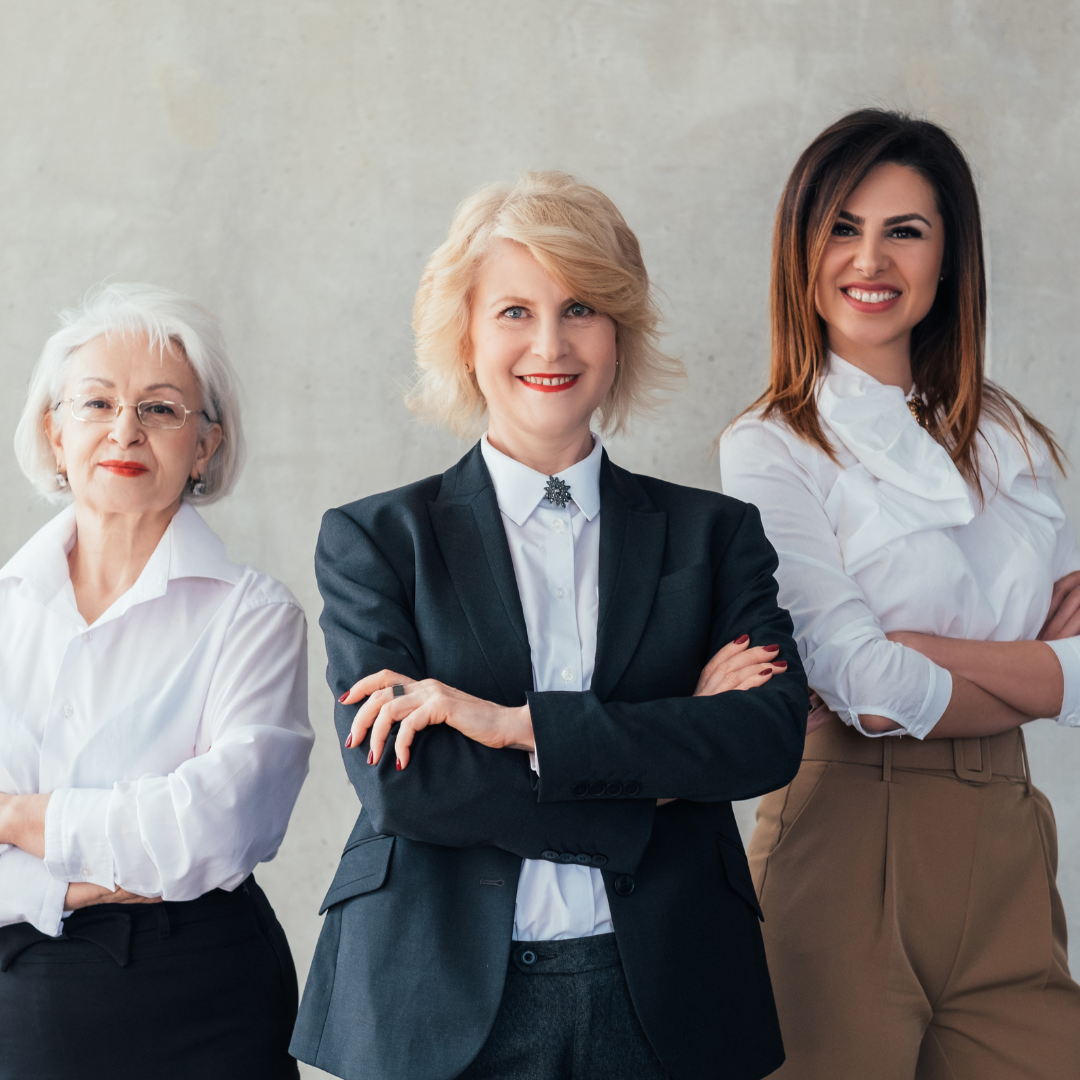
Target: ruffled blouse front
[891,537]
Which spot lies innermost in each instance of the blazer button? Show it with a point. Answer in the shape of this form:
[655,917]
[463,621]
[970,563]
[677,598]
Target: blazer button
[614,788]
[597,788]
[585,860]
[599,860]
[581,789]
[624,884]
[551,856]
[631,788]
[566,857]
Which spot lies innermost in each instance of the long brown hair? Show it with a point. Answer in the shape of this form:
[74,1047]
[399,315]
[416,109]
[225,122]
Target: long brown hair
[947,345]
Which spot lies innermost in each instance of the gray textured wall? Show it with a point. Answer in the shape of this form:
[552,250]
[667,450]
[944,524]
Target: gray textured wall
[292,164]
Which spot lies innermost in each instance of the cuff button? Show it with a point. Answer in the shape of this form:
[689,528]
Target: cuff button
[597,789]
[581,789]
[632,788]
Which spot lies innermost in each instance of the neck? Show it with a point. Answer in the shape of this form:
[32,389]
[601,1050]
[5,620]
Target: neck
[110,552]
[547,456]
[889,363]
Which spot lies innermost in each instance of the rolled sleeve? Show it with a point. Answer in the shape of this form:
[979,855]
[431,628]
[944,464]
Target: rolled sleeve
[76,836]
[29,893]
[1067,651]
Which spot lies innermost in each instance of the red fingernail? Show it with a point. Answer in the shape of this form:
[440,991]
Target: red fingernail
[765,671]
[779,663]
[399,766]
[341,700]
[348,740]
[772,648]
[371,757]
[742,640]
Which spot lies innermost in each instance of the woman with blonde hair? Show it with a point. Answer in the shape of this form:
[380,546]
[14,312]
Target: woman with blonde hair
[546,879]
[913,925]
[153,720]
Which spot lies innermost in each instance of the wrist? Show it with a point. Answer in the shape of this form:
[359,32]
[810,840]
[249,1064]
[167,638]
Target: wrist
[519,730]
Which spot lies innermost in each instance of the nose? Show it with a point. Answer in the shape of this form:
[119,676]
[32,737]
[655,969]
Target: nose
[870,258]
[126,429]
[550,343]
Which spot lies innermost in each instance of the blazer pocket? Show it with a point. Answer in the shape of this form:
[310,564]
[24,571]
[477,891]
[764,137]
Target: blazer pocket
[698,576]
[362,869]
[738,872]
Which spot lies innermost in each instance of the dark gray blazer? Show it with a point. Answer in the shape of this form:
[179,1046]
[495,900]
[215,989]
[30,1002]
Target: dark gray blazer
[409,969]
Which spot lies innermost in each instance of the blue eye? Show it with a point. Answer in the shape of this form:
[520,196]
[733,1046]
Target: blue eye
[514,312]
[578,310]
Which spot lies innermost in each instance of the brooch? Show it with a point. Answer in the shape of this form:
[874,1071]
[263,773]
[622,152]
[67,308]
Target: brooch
[557,492]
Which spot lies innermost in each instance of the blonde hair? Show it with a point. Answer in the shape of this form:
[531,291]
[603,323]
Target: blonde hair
[168,319]
[580,239]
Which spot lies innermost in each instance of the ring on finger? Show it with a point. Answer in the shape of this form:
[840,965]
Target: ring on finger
[399,689]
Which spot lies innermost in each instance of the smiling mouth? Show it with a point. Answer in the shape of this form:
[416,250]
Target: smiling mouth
[867,296]
[549,384]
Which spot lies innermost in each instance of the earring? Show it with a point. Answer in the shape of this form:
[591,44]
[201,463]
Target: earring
[198,485]
[61,480]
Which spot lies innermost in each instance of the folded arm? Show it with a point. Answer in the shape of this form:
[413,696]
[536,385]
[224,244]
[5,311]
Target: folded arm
[456,791]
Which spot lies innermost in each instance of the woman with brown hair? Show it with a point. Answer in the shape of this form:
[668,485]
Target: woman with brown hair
[912,921]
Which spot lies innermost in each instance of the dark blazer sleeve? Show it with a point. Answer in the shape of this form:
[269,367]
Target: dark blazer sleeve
[729,746]
[455,792]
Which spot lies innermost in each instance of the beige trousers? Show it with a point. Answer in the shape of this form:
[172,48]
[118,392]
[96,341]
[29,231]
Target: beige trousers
[912,921]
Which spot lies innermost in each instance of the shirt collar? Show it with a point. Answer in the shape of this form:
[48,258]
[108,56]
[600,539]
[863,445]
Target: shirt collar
[189,548]
[520,490]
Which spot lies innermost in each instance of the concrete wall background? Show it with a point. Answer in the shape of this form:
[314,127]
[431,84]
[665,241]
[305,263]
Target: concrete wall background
[292,165]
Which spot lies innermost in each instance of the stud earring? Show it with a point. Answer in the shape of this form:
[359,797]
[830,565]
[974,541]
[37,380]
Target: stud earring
[198,485]
[61,480]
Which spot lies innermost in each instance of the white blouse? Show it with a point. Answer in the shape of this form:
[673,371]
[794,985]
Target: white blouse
[556,556]
[892,538]
[172,733]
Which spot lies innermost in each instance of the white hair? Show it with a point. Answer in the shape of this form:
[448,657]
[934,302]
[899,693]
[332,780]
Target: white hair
[168,319]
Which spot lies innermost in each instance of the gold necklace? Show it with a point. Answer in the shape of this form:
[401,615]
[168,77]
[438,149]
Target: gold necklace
[917,407]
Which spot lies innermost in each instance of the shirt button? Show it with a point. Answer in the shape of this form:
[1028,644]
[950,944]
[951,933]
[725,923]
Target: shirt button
[557,524]
[68,710]
[561,593]
[85,871]
[567,674]
[87,636]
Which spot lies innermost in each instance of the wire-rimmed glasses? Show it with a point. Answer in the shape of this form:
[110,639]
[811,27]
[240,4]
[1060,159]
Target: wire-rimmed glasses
[99,409]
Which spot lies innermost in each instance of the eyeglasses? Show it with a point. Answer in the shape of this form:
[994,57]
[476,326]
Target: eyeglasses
[95,409]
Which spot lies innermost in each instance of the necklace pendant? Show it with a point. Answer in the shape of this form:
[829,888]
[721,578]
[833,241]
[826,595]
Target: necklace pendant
[919,410]
[557,492]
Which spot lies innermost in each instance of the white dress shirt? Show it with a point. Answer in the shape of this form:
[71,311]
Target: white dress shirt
[172,733]
[556,554]
[892,538]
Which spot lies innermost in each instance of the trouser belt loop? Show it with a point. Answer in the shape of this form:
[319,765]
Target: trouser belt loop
[886,758]
[164,926]
[971,760]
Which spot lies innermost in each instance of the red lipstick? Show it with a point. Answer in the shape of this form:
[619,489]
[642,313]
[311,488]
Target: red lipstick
[124,468]
[550,388]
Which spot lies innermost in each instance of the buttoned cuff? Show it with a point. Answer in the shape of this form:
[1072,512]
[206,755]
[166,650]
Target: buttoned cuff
[936,701]
[1068,653]
[76,837]
[29,893]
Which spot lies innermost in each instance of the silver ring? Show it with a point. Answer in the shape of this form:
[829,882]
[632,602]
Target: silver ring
[399,689]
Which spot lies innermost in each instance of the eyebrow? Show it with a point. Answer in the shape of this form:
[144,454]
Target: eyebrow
[897,220]
[108,382]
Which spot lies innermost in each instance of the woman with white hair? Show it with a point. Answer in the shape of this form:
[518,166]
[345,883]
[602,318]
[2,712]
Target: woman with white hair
[153,720]
[566,672]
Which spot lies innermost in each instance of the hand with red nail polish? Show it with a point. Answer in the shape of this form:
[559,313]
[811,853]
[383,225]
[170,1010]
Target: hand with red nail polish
[393,699]
[348,741]
[737,666]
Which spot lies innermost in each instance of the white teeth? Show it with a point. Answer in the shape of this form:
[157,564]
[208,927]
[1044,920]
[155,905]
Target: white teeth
[871,297]
[555,380]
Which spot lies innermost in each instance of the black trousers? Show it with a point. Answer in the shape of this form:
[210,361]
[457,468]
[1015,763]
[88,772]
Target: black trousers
[566,1014]
[169,991]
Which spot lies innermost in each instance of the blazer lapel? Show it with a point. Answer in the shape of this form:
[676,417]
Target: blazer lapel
[469,531]
[632,537]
